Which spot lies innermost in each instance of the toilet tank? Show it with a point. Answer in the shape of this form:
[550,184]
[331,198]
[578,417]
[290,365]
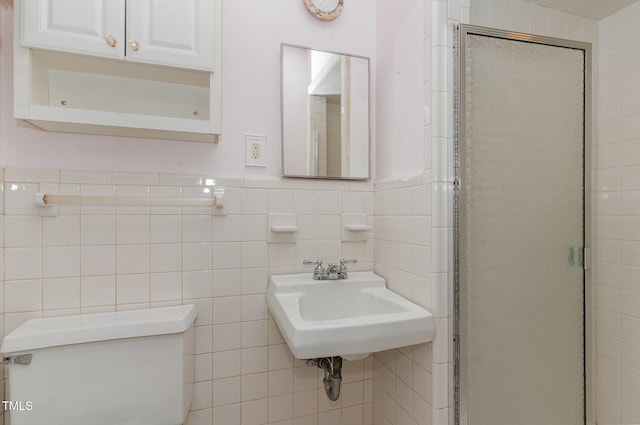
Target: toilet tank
[123,368]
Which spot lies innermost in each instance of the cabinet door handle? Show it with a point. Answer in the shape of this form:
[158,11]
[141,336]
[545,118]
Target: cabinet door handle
[111,41]
[134,45]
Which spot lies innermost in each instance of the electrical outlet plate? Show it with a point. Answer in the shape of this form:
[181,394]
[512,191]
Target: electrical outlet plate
[256,150]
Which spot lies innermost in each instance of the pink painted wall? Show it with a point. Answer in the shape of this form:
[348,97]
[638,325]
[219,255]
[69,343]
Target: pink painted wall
[251,96]
[399,98]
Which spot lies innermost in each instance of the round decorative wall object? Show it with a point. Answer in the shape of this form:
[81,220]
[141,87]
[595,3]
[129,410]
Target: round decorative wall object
[324,10]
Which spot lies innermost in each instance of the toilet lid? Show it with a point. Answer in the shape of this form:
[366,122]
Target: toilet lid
[82,328]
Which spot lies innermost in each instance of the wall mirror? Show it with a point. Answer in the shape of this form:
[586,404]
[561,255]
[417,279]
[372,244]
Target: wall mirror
[325,114]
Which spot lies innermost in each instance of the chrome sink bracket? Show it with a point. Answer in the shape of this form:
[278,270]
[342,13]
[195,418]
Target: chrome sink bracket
[22,359]
[332,367]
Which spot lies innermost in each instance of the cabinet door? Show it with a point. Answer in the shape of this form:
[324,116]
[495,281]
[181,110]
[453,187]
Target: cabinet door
[89,27]
[170,32]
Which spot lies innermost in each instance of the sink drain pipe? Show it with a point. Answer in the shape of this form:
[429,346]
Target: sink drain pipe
[332,367]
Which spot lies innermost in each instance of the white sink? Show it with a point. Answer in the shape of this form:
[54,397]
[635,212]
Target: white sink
[350,317]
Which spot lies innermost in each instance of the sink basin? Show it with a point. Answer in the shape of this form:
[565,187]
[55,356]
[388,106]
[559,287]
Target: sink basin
[350,318]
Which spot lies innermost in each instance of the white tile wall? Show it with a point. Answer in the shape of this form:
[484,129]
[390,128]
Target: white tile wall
[617,220]
[402,379]
[90,259]
[523,16]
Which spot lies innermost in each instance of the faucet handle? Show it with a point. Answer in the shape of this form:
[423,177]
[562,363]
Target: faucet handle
[343,262]
[342,270]
[318,271]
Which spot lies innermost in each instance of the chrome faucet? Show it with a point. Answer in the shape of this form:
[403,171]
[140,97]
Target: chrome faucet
[318,272]
[332,271]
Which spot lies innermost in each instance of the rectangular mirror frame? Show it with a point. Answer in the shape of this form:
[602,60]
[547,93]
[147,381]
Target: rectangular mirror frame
[282,118]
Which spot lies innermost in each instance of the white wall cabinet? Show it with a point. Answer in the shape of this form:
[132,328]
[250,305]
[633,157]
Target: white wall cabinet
[163,32]
[88,27]
[141,68]
[170,32]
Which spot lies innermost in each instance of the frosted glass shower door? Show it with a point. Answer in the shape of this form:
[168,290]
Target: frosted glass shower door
[521,232]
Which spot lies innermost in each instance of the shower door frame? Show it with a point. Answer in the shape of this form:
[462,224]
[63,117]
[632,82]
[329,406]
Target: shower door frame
[458,391]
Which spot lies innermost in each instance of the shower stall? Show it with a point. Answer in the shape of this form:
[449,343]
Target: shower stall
[521,229]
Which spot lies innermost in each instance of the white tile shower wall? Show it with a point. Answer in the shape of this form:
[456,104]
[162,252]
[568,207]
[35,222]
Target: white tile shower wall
[524,16]
[91,259]
[617,220]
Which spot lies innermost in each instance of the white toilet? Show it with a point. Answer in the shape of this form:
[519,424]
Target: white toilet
[124,368]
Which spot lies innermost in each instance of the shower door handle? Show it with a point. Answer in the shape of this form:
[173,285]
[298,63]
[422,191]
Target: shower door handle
[576,256]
